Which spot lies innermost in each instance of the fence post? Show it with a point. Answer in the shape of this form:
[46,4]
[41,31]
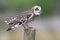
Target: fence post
[29,34]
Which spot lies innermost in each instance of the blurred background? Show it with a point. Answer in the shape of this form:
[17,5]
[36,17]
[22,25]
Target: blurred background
[47,24]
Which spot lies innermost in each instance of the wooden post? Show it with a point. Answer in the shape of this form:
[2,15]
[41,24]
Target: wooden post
[29,34]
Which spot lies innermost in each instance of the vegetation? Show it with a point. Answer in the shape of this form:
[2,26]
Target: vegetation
[19,5]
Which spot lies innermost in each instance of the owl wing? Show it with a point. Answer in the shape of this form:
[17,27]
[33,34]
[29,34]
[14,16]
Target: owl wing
[18,20]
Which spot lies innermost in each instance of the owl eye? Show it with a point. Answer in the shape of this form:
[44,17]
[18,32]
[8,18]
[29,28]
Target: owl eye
[36,9]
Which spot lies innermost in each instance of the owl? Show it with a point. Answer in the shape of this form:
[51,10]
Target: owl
[23,17]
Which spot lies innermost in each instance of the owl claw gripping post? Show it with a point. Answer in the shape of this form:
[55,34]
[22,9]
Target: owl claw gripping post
[24,17]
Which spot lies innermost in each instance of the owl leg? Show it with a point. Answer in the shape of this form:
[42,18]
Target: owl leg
[25,25]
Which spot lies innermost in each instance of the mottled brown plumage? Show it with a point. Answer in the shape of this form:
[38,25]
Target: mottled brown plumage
[24,17]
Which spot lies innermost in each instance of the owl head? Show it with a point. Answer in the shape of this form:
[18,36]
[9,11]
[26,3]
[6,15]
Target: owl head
[37,10]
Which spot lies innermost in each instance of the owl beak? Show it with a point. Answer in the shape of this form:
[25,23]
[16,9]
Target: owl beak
[40,12]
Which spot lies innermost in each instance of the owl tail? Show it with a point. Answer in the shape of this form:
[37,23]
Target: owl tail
[14,26]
